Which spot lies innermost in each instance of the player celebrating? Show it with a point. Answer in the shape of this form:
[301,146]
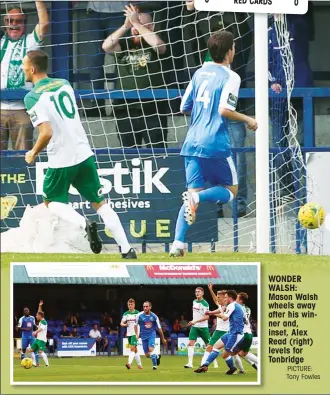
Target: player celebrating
[222,327]
[129,321]
[231,340]
[26,325]
[220,299]
[148,323]
[199,325]
[52,107]
[41,337]
[211,98]
[252,359]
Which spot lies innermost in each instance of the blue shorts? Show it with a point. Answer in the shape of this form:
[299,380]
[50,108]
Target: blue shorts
[220,171]
[232,341]
[150,342]
[27,341]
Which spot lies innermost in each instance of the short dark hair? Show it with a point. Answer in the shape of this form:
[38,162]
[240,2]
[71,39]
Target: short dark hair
[39,59]
[131,300]
[41,313]
[219,44]
[147,301]
[232,294]
[243,296]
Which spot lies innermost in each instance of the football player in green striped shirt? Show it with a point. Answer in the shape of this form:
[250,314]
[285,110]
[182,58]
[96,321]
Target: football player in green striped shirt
[129,321]
[41,337]
[52,107]
[199,324]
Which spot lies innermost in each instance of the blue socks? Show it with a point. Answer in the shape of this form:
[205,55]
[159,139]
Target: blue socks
[181,226]
[230,363]
[216,194]
[22,356]
[154,359]
[214,354]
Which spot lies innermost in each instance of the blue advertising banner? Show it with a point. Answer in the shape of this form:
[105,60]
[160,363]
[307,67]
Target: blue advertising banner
[72,347]
[144,190]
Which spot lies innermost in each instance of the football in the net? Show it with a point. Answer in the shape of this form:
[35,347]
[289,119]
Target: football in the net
[311,215]
[26,363]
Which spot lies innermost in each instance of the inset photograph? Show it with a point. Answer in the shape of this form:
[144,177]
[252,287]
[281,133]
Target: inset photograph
[97,323]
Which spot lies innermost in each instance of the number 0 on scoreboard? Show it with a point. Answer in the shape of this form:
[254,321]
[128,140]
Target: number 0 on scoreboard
[254,6]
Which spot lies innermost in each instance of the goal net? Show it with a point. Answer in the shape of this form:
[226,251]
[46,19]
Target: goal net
[129,104]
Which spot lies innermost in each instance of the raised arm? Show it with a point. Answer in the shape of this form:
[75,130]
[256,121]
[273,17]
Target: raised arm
[149,36]
[214,296]
[111,43]
[40,306]
[43,20]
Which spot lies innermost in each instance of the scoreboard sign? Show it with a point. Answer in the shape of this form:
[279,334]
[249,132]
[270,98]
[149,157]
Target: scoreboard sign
[254,6]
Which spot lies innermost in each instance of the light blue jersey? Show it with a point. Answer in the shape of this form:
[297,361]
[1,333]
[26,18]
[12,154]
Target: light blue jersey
[236,318]
[213,87]
[26,323]
[148,325]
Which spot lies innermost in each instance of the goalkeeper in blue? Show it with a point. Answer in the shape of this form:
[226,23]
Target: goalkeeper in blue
[26,325]
[147,322]
[211,99]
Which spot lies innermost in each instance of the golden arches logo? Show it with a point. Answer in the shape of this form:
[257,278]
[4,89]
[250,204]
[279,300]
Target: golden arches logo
[7,205]
[210,267]
[150,267]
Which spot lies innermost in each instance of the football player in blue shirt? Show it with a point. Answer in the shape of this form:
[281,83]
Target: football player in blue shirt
[26,325]
[211,99]
[148,322]
[232,340]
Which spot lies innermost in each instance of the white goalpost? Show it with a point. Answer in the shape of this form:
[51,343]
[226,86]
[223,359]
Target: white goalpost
[262,133]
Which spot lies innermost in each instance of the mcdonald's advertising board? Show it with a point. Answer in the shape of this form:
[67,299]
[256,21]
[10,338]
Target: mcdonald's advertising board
[181,271]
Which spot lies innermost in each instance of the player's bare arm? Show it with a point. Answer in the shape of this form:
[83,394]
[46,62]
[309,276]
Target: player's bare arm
[237,116]
[204,318]
[215,312]
[124,323]
[136,330]
[40,306]
[43,20]
[160,331]
[214,296]
[45,134]
[36,332]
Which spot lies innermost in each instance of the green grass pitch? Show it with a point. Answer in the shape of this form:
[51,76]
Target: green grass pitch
[112,369]
[6,258]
